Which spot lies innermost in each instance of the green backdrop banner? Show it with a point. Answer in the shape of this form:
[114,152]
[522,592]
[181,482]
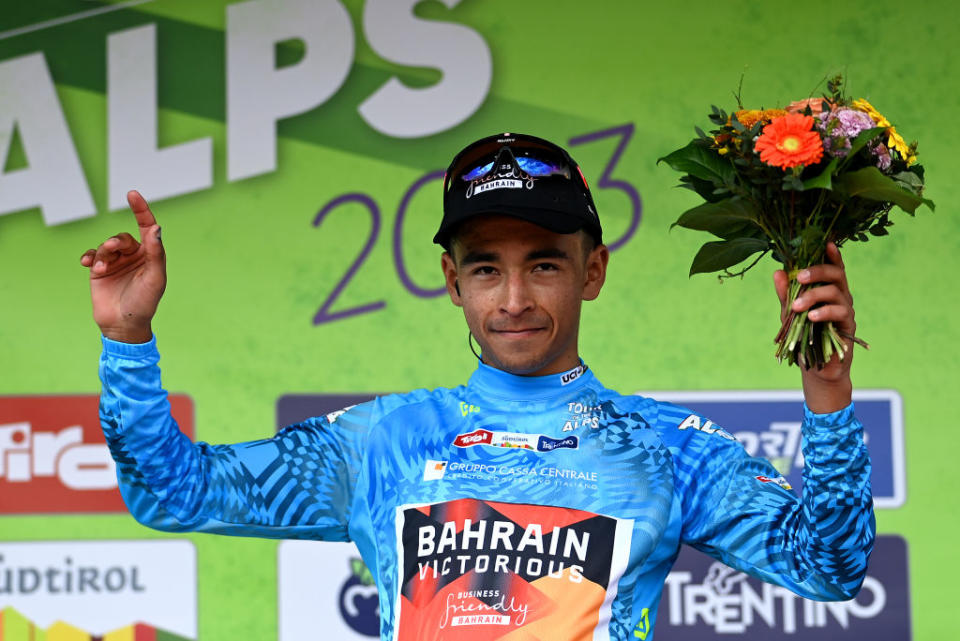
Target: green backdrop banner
[293,153]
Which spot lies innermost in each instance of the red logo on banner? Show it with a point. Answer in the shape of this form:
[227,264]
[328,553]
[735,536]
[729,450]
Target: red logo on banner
[54,458]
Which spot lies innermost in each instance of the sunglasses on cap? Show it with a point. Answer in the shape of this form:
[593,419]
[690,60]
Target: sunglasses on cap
[521,176]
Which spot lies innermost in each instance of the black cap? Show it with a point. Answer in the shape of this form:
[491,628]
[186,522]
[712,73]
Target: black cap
[521,176]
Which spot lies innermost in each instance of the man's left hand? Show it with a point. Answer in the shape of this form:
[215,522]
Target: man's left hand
[828,389]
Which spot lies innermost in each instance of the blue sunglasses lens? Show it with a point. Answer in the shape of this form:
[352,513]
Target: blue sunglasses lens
[532,166]
[536,167]
[479,171]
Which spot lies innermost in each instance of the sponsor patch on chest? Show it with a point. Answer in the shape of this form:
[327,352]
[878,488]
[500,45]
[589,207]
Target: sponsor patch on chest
[519,440]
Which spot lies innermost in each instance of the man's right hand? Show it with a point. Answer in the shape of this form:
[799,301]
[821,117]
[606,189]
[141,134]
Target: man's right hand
[127,278]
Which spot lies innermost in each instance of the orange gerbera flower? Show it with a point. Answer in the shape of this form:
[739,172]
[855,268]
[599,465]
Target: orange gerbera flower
[817,105]
[789,141]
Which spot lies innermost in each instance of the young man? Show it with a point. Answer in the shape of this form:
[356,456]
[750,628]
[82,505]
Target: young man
[532,502]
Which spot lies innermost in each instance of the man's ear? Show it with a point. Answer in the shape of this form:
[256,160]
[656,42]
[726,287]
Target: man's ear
[450,277]
[596,272]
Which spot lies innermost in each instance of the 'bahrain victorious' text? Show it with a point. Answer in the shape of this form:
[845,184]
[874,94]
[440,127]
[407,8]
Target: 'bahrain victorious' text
[495,540]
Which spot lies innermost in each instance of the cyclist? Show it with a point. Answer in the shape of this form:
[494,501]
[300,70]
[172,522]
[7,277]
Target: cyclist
[532,500]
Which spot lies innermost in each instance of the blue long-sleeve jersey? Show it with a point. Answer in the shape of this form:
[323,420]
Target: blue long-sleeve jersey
[509,508]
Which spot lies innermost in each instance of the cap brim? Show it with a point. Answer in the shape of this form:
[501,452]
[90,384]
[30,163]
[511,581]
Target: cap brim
[551,220]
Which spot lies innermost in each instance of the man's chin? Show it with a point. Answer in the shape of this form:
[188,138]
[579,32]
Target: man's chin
[522,369]
[517,364]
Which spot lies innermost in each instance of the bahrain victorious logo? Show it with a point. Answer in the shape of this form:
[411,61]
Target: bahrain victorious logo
[478,569]
[53,456]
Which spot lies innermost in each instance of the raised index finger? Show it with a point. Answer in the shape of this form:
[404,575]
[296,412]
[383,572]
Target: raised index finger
[140,209]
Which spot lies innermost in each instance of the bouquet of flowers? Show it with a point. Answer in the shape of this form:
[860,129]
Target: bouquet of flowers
[787,182]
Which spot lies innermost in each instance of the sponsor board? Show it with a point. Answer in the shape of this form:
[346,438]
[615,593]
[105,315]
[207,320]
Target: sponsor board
[295,408]
[326,584]
[704,600]
[16,627]
[101,586]
[768,425]
[54,458]
[325,591]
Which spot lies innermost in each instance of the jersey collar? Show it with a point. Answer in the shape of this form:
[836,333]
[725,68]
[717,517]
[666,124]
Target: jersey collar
[496,382]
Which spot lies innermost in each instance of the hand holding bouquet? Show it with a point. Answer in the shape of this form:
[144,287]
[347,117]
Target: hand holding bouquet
[788,182]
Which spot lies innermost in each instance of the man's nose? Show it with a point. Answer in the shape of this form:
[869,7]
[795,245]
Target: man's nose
[517,296]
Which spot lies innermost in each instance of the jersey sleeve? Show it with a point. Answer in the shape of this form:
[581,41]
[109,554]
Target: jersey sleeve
[740,510]
[298,484]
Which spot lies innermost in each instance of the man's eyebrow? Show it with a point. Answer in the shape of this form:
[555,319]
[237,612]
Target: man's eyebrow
[479,257]
[492,257]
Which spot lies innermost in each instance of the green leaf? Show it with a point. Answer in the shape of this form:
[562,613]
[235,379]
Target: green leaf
[704,188]
[910,181]
[792,183]
[869,183]
[700,161]
[721,254]
[862,139]
[813,242]
[823,180]
[909,178]
[729,218]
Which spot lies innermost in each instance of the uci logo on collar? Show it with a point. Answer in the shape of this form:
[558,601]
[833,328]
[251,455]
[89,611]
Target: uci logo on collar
[568,377]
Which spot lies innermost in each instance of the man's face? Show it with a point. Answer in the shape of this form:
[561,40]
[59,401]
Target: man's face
[521,287]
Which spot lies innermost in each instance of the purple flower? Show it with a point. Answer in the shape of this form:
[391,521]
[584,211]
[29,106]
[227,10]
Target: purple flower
[840,126]
[851,122]
[883,156]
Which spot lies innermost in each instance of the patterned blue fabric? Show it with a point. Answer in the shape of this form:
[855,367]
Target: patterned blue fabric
[670,475]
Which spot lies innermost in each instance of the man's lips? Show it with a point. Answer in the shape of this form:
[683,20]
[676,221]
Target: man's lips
[521,332]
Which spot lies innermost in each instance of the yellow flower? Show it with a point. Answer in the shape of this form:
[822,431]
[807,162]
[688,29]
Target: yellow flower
[913,157]
[897,142]
[749,117]
[894,140]
[862,105]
